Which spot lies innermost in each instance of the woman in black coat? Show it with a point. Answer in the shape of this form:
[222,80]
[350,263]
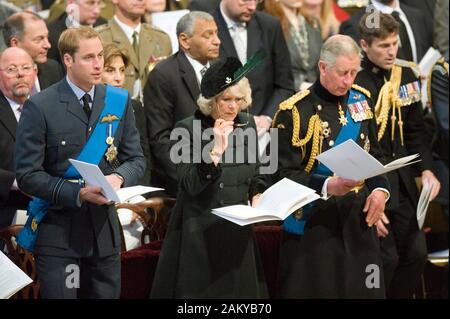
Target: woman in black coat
[205,256]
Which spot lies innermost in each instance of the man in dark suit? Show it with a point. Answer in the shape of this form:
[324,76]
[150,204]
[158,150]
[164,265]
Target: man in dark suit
[203,5]
[243,31]
[172,89]
[28,31]
[78,240]
[17,75]
[81,12]
[416,35]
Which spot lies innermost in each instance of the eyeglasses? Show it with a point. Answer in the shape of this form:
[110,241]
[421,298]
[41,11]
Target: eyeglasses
[13,70]
[246,2]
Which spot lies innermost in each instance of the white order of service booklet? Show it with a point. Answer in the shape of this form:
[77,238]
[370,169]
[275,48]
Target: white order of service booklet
[93,176]
[349,160]
[276,203]
[424,201]
[12,278]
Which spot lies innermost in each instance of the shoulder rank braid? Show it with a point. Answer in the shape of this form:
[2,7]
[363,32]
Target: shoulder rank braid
[362,90]
[444,64]
[313,131]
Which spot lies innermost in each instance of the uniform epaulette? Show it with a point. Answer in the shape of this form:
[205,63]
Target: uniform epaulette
[362,90]
[441,63]
[102,27]
[290,102]
[149,26]
[409,64]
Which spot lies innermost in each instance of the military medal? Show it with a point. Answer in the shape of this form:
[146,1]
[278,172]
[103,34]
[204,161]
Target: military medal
[360,111]
[326,131]
[367,144]
[111,152]
[342,119]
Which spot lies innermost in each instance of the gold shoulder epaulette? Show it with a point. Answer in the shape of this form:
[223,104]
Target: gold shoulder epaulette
[408,64]
[362,90]
[290,102]
[441,62]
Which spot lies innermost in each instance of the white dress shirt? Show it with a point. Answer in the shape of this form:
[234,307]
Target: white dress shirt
[197,67]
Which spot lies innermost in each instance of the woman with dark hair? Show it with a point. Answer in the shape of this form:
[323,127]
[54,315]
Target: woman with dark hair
[203,255]
[115,62]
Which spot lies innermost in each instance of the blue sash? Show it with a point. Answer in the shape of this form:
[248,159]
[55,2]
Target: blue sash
[349,131]
[115,104]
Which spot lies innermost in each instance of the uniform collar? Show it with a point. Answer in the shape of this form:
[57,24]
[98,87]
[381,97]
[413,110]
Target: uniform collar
[375,69]
[323,94]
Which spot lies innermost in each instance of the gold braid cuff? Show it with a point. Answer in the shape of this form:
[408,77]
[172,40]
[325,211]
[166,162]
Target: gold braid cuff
[362,90]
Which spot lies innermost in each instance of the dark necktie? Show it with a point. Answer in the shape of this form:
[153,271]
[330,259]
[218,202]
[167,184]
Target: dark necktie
[135,44]
[203,71]
[86,108]
[405,50]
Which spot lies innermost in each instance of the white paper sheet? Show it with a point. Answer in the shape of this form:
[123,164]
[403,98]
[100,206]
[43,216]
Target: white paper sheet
[425,66]
[12,278]
[424,201]
[349,160]
[167,21]
[93,176]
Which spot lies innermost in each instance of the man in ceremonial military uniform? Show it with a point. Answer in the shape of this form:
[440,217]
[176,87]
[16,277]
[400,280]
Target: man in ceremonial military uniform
[73,228]
[399,115]
[329,245]
[144,43]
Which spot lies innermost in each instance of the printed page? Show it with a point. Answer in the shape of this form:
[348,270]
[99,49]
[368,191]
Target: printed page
[349,160]
[12,278]
[94,176]
[276,203]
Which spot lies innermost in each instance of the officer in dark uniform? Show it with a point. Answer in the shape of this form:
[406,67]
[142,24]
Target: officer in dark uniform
[399,114]
[327,246]
[438,96]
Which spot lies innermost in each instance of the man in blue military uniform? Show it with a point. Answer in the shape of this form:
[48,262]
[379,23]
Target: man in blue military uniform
[328,245]
[76,226]
[399,114]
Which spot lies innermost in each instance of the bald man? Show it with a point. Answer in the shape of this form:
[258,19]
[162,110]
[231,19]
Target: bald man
[17,76]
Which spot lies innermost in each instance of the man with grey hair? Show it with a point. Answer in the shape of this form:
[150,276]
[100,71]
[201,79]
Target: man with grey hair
[172,89]
[28,31]
[328,245]
[17,76]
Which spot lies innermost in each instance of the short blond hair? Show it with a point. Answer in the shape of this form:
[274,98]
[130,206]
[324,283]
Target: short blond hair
[241,88]
[69,41]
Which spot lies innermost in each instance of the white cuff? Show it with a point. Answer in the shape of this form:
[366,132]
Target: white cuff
[385,191]
[14,185]
[324,189]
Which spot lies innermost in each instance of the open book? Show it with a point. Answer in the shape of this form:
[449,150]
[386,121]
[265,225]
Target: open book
[349,160]
[424,201]
[276,203]
[12,278]
[93,176]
